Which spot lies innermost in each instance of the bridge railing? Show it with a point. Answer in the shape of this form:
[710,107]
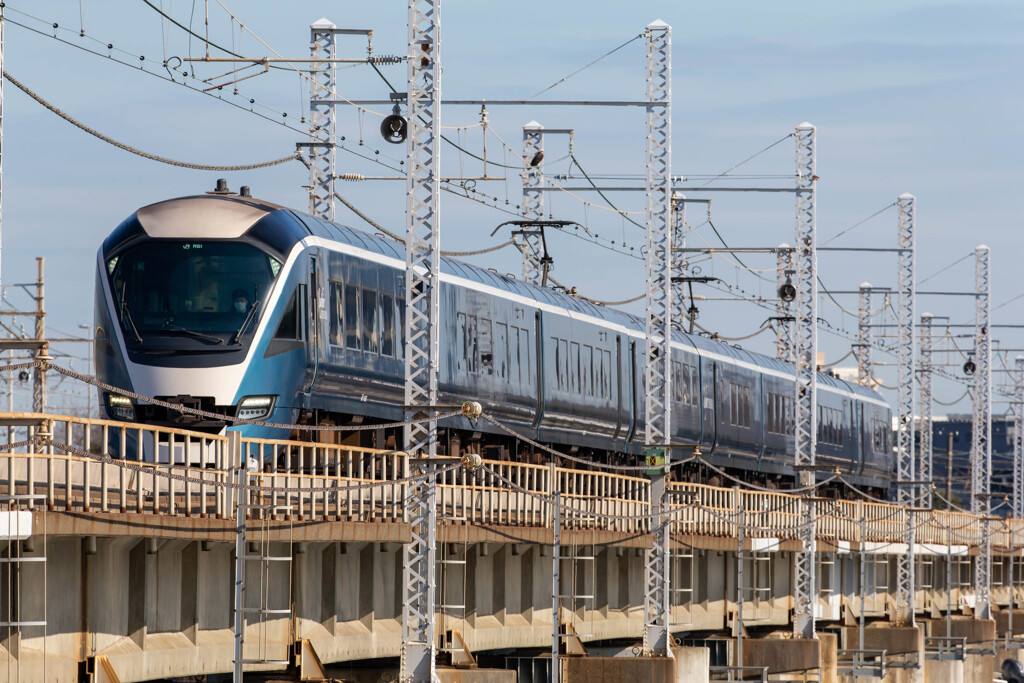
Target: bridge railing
[109,466]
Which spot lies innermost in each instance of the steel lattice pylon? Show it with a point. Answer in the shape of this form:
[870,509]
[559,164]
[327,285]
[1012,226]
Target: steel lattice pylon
[863,347]
[533,201]
[783,308]
[981,432]
[322,119]
[422,264]
[907,494]
[1018,443]
[657,366]
[678,262]
[805,318]
[924,461]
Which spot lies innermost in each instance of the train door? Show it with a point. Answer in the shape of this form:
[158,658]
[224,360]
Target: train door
[617,388]
[709,404]
[538,326]
[314,316]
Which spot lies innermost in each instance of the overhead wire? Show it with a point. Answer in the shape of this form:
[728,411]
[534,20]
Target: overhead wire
[857,224]
[586,66]
[134,150]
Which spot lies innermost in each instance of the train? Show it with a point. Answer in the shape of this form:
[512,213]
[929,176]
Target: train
[246,309]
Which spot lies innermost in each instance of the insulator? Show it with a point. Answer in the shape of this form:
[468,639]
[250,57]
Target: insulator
[351,176]
[385,59]
[472,409]
[471,461]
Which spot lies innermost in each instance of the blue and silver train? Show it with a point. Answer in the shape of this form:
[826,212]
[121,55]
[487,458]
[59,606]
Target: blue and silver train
[243,308]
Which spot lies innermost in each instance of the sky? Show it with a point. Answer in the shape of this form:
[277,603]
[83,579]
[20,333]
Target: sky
[912,96]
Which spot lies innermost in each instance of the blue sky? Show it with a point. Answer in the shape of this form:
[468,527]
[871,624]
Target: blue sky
[921,97]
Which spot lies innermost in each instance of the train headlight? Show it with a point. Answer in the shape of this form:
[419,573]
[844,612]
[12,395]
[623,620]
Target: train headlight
[255,407]
[121,407]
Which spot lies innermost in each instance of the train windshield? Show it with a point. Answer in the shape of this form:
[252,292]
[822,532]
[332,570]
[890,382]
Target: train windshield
[208,290]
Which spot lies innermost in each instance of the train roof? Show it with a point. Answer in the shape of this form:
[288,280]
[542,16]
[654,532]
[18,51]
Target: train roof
[379,244]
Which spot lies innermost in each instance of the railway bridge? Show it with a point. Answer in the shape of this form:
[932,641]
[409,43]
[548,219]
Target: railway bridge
[119,567]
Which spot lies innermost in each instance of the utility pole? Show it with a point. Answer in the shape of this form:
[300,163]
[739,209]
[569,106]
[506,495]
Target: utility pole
[422,295]
[533,200]
[1018,444]
[806,323]
[981,432]
[863,347]
[658,363]
[322,118]
[92,372]
[907,491]
[43,350]
[679,261]
[926,436]
[783,308]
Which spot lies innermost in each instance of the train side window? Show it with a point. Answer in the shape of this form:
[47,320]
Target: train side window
[608,374]
[486,344]
[460,340]
[353,338]
[574,367]
[387,323]
[371,334]
[337,334]
[471,344]
[525,349]
[501,349]
[558,362]
[513,354]
[588,370]
[401,328]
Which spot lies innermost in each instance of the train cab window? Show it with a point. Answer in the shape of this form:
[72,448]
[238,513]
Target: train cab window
[387,324]
[353,337]
[292,325]
[606,381]
[371,331]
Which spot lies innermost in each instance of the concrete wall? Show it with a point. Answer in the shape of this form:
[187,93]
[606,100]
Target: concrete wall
[157,601]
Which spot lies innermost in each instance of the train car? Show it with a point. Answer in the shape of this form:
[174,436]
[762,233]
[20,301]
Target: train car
[246,309]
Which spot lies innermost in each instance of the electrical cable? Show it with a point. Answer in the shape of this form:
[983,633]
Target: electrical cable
[755,155]
[858,223]
[586,66]
[134,150]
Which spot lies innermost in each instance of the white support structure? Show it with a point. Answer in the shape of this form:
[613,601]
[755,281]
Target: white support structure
[422,295]
[1018,443]
[863,347]
[678,303]
[926,438]
[981,432]
[533,202]
[658,365]
[322,118]
[806,323]
[907,492]
[784,309]
[556,579]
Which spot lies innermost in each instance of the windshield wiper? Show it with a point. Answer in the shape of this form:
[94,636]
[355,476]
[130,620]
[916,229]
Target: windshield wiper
[126,312]
[193,333]
[245,323]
